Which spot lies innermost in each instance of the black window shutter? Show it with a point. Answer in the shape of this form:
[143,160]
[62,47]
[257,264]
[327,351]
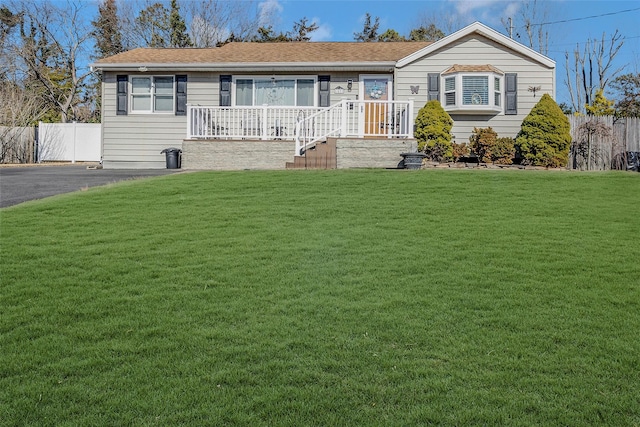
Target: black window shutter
[324,91]
[122,89]
[511,93]
[433,87]
[225,91]
[181,95]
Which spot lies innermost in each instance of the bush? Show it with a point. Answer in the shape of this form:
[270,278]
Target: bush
[504,151]
[544,137]
[482,142]
[433,132]
[460,150]
[489,148]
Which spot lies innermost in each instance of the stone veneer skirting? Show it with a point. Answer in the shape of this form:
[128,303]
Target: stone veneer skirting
[371,153]
[218,154]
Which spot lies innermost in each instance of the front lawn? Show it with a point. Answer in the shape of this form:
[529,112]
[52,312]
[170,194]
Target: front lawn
[325,298]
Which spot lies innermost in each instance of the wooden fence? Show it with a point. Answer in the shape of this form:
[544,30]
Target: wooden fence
[17,144]
[603,142]
[51,142]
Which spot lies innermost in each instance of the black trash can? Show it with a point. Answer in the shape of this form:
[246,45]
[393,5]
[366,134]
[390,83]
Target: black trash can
[174,157]
[633,161]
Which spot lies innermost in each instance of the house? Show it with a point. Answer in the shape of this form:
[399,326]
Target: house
[262,105]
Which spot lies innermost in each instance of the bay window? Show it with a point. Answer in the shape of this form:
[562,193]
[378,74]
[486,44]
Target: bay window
[471,92]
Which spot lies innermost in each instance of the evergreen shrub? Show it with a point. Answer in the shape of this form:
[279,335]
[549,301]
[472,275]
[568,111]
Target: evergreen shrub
[433,132]
[544,138]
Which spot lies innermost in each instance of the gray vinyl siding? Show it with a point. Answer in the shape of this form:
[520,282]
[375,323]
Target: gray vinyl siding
[136,140]
[477,50]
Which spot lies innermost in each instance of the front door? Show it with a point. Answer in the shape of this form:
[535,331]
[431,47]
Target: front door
[373,115]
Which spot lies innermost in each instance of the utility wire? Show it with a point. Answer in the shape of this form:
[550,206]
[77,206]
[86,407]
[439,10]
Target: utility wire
[587,17]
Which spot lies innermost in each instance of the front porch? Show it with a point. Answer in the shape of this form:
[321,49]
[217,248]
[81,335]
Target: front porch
[304,126]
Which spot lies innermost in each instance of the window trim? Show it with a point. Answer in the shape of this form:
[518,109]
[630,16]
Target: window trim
[267,77]
[152,94]
[459,107]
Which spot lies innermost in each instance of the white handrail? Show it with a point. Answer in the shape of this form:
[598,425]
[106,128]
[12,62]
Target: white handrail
[318,127]
[387,119]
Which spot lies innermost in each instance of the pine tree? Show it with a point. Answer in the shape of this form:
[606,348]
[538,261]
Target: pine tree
[301,30]
[427,34]
[153,27]
[369,32]
[179,36]
[107,30]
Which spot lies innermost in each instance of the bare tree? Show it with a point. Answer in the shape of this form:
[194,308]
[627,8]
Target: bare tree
[215,21]
[591,69]
[53,44]
[528,25]
[447,23]
[145,23]
[19,109]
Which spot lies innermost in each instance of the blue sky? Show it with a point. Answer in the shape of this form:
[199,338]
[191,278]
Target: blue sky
[570,22]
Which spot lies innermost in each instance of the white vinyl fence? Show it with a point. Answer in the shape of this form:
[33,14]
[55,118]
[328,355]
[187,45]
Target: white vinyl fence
[74,142]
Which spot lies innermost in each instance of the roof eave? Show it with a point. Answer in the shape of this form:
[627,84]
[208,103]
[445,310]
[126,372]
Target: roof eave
[384,66]
[485,31]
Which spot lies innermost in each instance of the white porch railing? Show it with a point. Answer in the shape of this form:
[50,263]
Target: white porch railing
[305,125]
[378,119]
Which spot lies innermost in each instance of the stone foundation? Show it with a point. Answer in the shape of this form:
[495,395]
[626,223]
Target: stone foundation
[371,153]
[218,154]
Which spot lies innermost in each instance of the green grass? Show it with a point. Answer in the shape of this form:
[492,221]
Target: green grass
[325,298]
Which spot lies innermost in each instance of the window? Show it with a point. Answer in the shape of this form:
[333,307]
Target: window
[275,91]
[244,92]
[152,94]
[450,91]
[473,92]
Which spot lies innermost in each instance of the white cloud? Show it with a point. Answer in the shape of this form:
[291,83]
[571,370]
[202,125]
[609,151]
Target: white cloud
[466,7]
[490,12]
[323,33]
[269,9]
[512,9]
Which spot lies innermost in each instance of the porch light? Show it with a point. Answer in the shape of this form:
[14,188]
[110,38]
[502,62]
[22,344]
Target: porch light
[349,85]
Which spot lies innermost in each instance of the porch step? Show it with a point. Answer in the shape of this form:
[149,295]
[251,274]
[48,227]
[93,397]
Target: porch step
[321,156]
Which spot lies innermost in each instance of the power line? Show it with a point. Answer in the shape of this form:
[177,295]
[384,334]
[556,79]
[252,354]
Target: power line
[624,38]
[587,17]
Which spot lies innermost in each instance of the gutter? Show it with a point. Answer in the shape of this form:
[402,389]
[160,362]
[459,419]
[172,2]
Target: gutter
[387,66]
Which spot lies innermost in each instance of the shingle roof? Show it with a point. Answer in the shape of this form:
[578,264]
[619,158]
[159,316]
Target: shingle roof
[457,68]
[292,52]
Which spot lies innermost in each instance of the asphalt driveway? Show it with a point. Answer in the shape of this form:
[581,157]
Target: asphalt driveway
[20,184]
